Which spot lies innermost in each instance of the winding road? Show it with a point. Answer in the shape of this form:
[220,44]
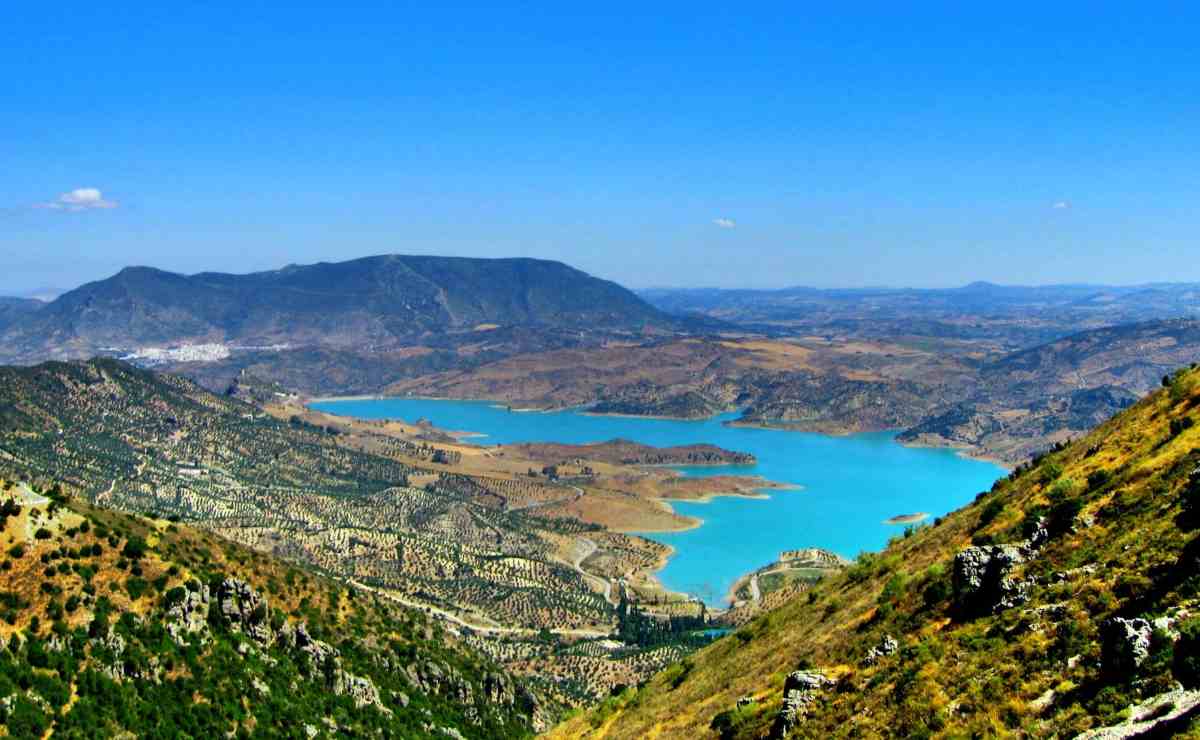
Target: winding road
[590,547]
[487,629]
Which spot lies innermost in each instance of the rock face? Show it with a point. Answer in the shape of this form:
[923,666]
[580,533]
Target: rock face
[189,616]
[887,646]
[1160,716]
[800,690]
[1126,644]
[244,609]
[983,583]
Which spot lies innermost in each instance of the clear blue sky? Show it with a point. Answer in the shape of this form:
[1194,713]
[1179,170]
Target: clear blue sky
[931,145]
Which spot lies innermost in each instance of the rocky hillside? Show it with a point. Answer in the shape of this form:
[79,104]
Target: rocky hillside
[116,625]
[1025,401]
[372,304]
[1063,601]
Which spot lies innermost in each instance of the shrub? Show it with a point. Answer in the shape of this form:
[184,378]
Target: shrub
[727,724]
[1185,664]
[1062,516]
[1097,479]
[990,512]
[1062,488]
[1051,472]
[135,548]
[1189,500]
[136,587]
[1182,386]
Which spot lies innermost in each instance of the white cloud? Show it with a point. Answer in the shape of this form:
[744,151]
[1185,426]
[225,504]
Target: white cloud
[79,199]
[1062,205]
[725,223]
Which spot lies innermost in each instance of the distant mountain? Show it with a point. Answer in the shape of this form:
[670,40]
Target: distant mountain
[1026,400]
[13,310]
[1132,355]
[369,303]
[1003,405]
[1007,317]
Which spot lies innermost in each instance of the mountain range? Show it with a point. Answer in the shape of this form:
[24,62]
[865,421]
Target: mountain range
[1003,370]
[372,303]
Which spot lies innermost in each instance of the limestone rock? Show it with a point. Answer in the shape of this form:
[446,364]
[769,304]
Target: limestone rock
[189,616]
[983,583]
[362,690]
[245,609]
[799,692]
[887,646]
[1126,644]
[1160,716]
[805,681]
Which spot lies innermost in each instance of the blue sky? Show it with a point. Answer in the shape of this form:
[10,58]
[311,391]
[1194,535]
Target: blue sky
[754,144]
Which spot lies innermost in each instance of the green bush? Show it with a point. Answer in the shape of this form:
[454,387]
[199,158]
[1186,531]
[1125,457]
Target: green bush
[1186,662]
[1051,472]
[1097,479]
[136,587]
[993,509]
[727,724]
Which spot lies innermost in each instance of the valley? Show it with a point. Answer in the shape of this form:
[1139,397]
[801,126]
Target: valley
[615,485]
[1001,372]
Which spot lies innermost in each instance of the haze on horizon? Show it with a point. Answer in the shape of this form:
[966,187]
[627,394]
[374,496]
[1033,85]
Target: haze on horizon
[684,145]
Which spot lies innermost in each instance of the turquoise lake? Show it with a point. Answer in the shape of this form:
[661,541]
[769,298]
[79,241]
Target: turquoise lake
[849,485]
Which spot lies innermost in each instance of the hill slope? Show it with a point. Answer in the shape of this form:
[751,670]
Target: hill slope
[372,302]
[116,624]
[1048,607]
[1025,401]
[13,310]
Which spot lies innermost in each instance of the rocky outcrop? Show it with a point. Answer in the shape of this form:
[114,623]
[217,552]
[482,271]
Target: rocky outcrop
[1125,644]
[362,690]
[189,616]
[800,691]
[887,646]
[244,609]
[1161,716]
[983,580]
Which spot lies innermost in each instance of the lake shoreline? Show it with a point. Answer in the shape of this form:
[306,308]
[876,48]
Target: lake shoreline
[967,451]
[857,481]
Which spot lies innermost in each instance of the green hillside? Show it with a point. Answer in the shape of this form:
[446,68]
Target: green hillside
[115,625]
[1061,601]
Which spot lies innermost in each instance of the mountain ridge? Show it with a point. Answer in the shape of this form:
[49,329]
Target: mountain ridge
[381,301]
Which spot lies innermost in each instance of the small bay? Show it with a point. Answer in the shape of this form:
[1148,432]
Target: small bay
[848,486]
